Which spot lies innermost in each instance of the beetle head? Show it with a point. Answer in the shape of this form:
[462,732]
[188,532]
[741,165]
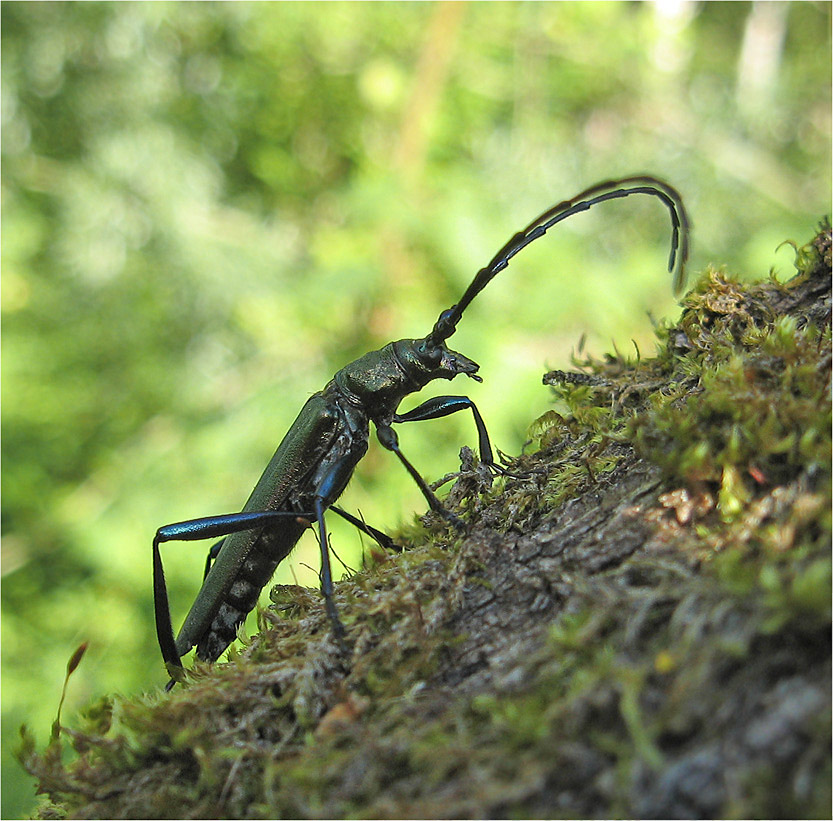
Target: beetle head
[426,361]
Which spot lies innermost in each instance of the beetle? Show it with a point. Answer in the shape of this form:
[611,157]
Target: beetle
[319,453]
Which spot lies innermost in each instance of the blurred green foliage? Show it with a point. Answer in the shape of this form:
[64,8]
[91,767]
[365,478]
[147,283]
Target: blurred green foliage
[208,208]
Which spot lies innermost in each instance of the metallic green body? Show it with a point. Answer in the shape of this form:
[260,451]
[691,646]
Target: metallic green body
[297,456]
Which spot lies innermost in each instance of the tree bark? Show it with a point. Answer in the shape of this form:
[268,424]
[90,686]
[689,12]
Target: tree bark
[636,622]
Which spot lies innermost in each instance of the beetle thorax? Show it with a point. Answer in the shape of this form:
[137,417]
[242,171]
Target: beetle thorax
[378,381]
[381,379]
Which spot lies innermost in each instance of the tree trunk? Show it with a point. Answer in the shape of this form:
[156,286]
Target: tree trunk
[635,623]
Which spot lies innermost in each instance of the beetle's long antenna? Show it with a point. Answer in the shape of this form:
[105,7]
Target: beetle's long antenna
[610,190]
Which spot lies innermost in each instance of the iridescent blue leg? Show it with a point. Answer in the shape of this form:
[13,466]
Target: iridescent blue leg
[441,406]
[194,530]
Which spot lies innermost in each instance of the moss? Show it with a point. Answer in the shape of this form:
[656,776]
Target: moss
[637,622]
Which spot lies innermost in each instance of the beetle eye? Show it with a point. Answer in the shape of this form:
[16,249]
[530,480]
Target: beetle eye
[429,355]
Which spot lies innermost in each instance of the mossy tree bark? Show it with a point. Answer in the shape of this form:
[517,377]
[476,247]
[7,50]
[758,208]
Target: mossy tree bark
[636,623]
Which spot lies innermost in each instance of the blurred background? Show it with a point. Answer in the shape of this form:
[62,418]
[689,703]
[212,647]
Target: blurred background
[209,208]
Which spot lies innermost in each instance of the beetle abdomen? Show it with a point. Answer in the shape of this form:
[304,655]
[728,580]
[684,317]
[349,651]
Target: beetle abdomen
[269,549]
[222,632]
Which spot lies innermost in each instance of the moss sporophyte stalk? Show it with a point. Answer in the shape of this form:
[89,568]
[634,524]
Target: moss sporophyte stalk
[642,605]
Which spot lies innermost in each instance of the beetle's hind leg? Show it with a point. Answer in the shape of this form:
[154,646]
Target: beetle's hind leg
[195,530]
[213,553]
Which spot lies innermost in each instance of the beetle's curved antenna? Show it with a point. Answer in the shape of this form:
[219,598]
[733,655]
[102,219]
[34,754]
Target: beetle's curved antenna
[446,324]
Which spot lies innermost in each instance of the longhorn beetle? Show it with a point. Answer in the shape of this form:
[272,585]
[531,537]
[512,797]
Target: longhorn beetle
[316,458]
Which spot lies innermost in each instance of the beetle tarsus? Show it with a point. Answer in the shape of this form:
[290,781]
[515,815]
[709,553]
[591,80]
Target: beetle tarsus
[455,521]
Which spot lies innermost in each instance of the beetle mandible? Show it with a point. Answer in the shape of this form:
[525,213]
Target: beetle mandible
[318,455]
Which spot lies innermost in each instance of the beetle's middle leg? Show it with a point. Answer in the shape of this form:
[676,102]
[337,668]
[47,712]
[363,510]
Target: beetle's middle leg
[329,486]
[380,538]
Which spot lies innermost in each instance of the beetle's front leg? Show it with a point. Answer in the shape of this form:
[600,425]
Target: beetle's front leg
[440,406]
[387,436]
